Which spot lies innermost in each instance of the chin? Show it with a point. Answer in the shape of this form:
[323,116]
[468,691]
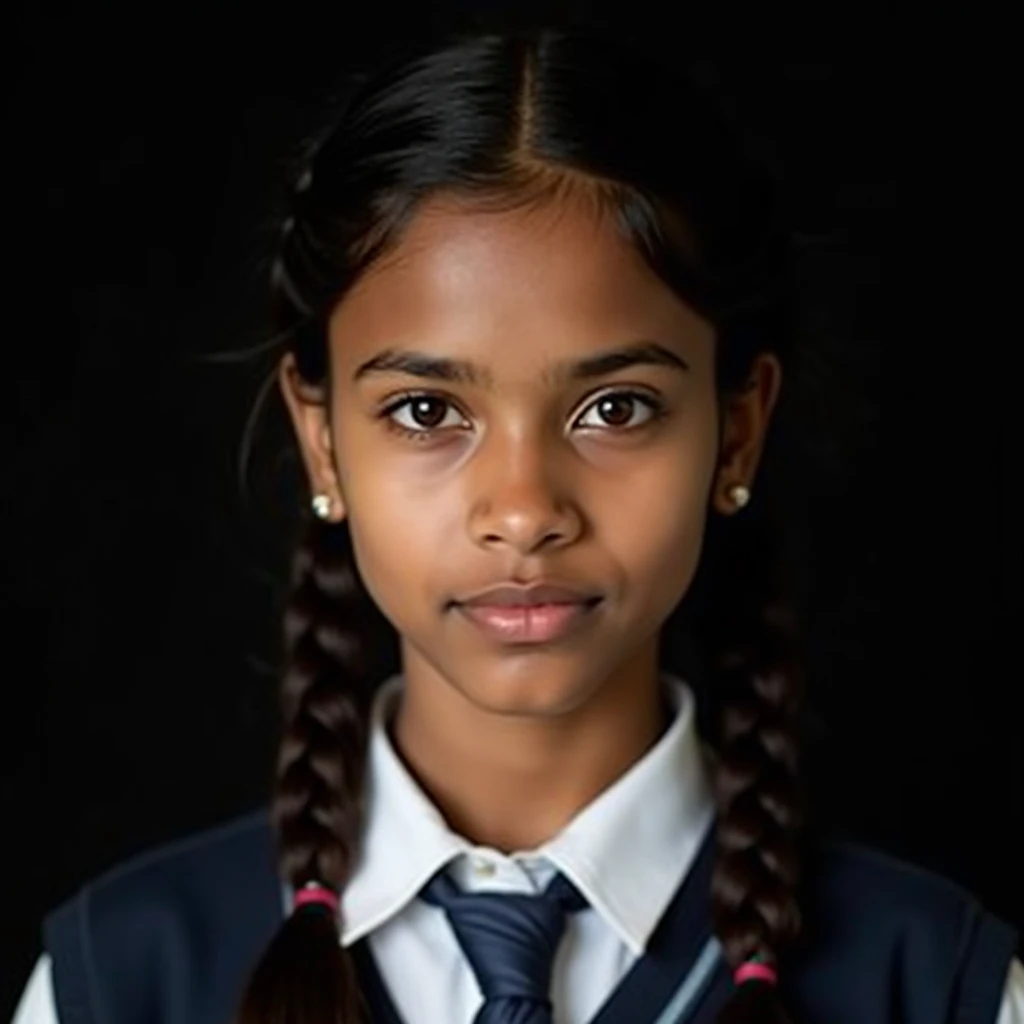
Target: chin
[536,691]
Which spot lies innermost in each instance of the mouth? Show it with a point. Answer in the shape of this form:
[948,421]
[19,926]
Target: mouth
[539,623]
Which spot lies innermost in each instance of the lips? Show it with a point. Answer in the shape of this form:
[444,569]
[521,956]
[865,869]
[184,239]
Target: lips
[512,595]
[518,624]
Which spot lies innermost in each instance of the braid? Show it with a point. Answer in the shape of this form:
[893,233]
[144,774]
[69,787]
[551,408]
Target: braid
[334,641]
[325,705]
[756,687]
[306,976]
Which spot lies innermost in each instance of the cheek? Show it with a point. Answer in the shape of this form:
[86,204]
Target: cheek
[655,527]
[388,560]
[381,516]
[408,532]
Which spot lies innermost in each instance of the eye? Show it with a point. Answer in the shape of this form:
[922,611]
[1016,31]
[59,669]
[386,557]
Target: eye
[611,401]
[420,405]
[416,404]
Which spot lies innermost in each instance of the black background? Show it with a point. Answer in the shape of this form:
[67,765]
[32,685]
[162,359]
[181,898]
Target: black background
[141,149]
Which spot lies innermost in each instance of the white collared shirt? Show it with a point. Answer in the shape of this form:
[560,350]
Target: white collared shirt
[627,852]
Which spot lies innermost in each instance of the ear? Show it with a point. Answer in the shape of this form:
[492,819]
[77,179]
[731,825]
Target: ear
[747,413]
[307,406]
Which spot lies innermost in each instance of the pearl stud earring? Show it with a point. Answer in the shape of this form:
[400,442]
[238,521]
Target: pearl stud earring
[739,495]
[322,505]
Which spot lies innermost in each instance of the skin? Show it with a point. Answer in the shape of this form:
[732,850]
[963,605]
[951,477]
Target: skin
[528,477]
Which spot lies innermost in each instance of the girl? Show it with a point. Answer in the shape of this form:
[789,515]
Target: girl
[535,304]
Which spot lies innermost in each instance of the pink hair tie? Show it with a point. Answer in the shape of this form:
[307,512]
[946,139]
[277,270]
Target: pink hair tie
[755,970]
[314,892]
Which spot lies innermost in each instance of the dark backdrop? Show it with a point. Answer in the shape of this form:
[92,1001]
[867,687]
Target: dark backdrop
[137,586]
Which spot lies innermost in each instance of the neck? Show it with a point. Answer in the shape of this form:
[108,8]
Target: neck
[512,782]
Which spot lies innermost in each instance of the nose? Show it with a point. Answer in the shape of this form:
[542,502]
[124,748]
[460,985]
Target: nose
[525,501]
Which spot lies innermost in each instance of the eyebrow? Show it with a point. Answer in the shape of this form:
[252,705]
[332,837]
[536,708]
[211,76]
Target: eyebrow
[420,364]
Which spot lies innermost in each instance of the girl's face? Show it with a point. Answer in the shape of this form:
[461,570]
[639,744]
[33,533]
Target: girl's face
[519,468]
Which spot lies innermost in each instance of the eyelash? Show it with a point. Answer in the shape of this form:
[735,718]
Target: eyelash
[655,405]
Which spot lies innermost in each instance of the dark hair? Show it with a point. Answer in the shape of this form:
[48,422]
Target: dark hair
[522,116]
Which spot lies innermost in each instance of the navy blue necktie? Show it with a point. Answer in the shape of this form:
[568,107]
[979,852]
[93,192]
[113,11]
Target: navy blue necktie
[510,940]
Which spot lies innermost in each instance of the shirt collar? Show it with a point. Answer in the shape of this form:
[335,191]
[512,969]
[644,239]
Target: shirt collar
[627,851]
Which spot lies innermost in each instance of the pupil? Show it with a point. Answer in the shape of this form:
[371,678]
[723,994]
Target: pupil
[612,401]
[418,407]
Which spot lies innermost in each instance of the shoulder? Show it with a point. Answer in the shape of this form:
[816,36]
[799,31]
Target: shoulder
[201,859]
[205,902]
[881,890]
[891,929]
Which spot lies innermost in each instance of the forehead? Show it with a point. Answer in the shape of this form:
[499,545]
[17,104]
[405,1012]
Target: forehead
[469,280]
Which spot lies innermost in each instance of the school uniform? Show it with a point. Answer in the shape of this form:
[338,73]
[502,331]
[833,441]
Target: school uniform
[169,937]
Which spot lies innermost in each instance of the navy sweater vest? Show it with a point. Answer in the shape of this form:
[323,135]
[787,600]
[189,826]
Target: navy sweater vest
[170,937]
